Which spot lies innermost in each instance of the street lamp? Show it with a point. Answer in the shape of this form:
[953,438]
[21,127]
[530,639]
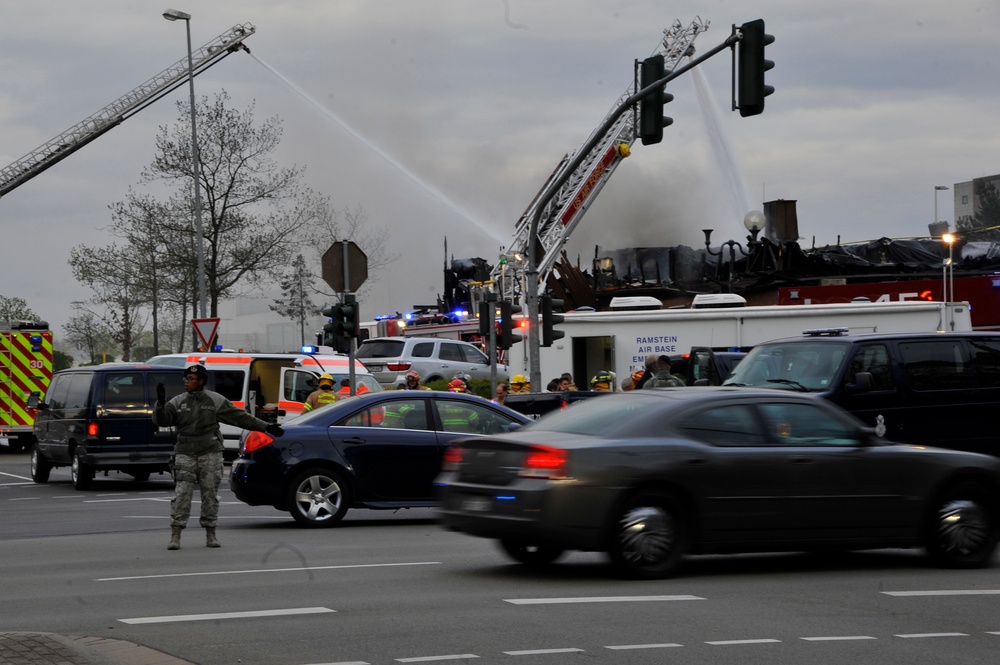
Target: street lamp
[949,279]
[937,188]
[175,15]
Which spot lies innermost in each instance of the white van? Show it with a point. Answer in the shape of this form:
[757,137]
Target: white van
[271,386]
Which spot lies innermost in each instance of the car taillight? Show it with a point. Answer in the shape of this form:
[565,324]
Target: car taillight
[544,462]
[453,458]
[257,440]
[91,429]
[398,367]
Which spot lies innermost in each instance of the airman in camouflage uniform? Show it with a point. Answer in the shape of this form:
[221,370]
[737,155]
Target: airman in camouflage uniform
[196,414]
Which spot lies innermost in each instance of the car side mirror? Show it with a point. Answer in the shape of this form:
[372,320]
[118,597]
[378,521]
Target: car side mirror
[862,383]
[35,402]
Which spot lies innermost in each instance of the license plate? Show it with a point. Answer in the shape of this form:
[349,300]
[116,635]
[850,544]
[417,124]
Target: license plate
[374,368]
[477,504]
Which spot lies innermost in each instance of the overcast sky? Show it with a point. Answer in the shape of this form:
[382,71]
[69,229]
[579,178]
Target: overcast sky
[464,107]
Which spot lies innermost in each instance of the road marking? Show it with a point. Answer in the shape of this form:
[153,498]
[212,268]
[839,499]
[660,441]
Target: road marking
[535,652]
[345,662]
[834,638]
[141,498]
[428,659]
[728,642]
[14,475]
[643,646]
[26,498]
[267,570]
[957,592]
[595,599]
[932,635]
[227,615]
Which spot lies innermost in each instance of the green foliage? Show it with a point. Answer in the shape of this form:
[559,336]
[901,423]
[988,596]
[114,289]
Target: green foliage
[16,309]
[61,361]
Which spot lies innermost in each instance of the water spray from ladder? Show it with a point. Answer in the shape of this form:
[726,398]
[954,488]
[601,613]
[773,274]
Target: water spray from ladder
[722,149]
[378,151]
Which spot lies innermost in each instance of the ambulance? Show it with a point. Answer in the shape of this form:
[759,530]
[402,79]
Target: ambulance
[271,386]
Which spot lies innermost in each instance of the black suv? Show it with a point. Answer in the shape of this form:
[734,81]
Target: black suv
[99,418]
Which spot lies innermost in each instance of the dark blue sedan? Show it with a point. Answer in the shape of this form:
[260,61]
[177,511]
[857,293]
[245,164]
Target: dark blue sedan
[378,450]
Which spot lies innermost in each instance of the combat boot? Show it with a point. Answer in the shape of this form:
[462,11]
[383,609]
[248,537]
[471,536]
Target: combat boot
[175,538]
[210,540]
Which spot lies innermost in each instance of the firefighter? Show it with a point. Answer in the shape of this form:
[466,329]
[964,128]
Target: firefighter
[413,381]
[520,385]
[602,382]
[325,395]
[633,382]
[456,386]
[196,413]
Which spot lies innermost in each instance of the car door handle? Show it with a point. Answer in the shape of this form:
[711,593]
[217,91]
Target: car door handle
[353,440]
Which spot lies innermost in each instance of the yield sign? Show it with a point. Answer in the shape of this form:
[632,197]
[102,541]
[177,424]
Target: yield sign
[205,328]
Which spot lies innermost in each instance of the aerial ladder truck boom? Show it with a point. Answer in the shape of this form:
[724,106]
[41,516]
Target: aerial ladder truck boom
[85,131]
[566,208]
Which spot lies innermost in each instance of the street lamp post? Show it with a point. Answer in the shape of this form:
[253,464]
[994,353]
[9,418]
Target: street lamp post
[949,285]
[175,15]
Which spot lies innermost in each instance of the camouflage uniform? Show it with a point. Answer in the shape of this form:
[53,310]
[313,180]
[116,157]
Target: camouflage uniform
[198,450]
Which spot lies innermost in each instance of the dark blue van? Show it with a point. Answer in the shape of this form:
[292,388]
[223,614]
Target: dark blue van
[98,418]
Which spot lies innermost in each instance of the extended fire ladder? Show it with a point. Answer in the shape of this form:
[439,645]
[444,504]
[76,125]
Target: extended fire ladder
[84,132]
[571,201]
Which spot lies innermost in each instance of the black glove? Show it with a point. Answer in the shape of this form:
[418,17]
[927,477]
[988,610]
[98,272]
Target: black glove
[161,394]
[274,429]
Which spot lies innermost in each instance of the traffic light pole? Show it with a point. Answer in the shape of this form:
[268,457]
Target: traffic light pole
[532,272]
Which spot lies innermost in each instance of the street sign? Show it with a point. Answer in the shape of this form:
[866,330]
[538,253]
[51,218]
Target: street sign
[206,329]
[344,257]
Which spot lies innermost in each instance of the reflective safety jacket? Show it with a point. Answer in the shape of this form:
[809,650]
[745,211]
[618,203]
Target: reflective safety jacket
[319,398]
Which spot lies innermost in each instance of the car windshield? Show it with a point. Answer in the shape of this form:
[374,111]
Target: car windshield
[631,414]
[801,366]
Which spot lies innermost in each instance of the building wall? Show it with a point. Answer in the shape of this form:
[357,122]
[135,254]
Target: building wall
[966,203]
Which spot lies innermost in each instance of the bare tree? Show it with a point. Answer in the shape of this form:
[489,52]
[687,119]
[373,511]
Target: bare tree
[85,331]
[115,276]
[253,210]
[296,286]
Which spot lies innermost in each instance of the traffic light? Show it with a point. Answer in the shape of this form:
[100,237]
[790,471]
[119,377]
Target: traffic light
[651,118]
[752,65]
[507,336]
[487,318]
[550,319]
[330,328]
[350,317]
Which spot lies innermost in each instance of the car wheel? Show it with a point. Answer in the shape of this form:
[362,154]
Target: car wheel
[318,498]
[648,537]
[40,467]
[531,555]
[962,531]
[80,472]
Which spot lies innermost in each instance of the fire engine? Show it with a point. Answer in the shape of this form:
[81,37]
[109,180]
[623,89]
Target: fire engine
[25,371]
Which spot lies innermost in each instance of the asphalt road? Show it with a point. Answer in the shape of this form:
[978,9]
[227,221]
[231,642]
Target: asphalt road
[397,588]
